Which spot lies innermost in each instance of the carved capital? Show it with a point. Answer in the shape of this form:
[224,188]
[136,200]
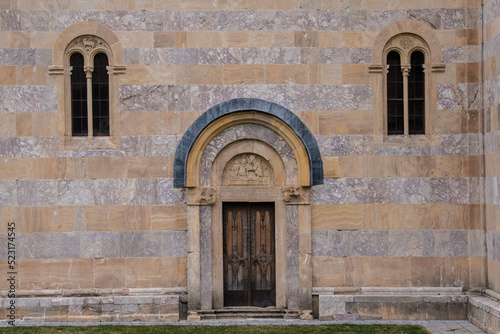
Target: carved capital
[202,196]
[296,195]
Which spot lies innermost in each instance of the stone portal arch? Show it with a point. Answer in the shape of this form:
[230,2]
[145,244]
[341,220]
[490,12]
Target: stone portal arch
[248,150]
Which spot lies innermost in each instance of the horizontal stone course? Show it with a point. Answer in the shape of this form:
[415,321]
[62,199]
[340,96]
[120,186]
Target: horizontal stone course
[99,244]
[438,243]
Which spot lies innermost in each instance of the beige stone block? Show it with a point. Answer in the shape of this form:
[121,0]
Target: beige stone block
[455,272]
[46,124]
[345,122]
[57,274]
[169,217]
[203,39]
[180,39]
[6,216]
[449,166]
[236,39]
[284,39]
[287,74]
[330,39]
[426,166]
[387,216]
[450,121]
[430,216]
[144,272]
[43,39]
[493,216]
[8,128]
[106,218]
[137,123]
[174,272]
[149,167]
[56,314]
[137,218]
[162,74]
[348,166]
[331,74]
[352,39]
[110,273]
[118,4]
[477,272]
[356,74]
[27,219]
[7,75]
[494,274]
[74,168]
[306,39]
[198,75]
[407,166]
[106,167]
[23,124]
[164,39]
[287,4]
[330,167]
[337,217]
[20,39]
[13,169]
[143,5]
[328,271]
[86,4]
[425,271]
[57,219]
[261,39]
[6,4]
[357,271]
[135,75]
[390,271]
[5,39]
[244,74]
[410,216]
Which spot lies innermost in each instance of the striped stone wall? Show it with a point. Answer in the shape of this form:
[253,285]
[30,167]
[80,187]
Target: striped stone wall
[396,212]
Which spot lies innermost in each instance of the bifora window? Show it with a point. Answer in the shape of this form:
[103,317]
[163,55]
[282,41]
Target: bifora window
[89,82]
[405,94]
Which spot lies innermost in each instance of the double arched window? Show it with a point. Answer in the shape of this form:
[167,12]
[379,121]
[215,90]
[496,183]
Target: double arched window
[88,58]
[406,58]
[405,92]
[89,81]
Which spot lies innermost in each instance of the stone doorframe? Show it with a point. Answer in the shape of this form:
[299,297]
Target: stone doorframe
[271,133]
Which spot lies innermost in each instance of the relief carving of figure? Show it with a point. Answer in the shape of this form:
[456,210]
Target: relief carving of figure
[248,169]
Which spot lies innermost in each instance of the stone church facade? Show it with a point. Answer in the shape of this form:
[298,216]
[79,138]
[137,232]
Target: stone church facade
[328,158]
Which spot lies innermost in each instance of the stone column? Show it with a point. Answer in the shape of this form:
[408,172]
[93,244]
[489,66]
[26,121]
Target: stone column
[299,249]
[198,225]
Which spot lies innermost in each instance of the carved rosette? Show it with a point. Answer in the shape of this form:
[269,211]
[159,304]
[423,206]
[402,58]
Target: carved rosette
[407,42]
[202,196]
[248,170]
[296,195]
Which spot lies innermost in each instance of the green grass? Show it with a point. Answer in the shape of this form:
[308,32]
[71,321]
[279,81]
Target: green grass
[252,329]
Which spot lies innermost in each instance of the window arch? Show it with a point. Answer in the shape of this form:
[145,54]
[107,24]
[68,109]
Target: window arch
[406,56]
[86,58]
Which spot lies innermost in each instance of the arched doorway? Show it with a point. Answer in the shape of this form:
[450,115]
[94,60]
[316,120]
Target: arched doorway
[255,154]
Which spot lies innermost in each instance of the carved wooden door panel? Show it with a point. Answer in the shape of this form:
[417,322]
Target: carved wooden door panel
[249,260]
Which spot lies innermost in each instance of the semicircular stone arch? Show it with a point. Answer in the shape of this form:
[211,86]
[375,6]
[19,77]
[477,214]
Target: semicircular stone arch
[281,119]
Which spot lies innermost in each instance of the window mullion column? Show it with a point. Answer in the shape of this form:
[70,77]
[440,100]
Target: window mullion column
[88,71]
[406,72]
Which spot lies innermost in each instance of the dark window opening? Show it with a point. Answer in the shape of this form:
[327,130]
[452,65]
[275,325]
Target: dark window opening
[100,96]
[395,102]
[79,119]
[416,94]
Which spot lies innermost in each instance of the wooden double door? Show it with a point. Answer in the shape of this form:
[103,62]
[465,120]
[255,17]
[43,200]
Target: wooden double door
[249,254]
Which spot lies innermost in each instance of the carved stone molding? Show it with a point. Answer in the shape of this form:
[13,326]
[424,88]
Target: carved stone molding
[296,195]
[88,44]
[248,170]
[202,196]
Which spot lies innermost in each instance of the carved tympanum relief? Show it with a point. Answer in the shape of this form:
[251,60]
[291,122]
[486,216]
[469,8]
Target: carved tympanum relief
[248,170]
[88,44]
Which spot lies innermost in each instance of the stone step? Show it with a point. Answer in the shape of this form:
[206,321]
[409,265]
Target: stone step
[242,313]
